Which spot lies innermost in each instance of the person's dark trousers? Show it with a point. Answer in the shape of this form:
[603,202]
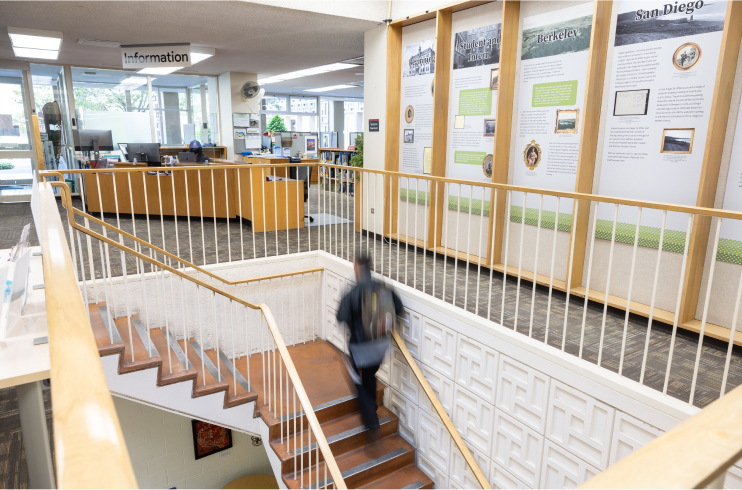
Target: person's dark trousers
[367,395]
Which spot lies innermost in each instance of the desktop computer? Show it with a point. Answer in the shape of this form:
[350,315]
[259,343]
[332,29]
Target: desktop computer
[144,152]
[92,140]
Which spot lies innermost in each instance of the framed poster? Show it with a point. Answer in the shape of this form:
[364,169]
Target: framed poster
[209,439]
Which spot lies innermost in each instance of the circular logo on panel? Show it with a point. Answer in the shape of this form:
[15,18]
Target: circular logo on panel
[532,155]
[686,56]
[487,166]
[409,114]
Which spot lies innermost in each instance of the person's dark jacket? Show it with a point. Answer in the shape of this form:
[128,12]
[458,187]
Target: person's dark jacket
[200,155]
[350,308]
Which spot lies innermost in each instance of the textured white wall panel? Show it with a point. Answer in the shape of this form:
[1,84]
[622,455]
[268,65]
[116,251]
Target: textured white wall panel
[335,331]
[439,347]
[335,286]
[580,423]
[630,434]
[402,379]
[440,479]
[476,368]
[411,332]
[733,478]
[499,478]
[561,469]
[523,393]
[433,441]
[442,387]
[473,418]
[517,448]
[461,474]
[385,370]
[407,413]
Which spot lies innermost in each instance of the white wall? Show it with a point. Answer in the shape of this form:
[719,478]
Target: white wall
[230,101]
[160,446]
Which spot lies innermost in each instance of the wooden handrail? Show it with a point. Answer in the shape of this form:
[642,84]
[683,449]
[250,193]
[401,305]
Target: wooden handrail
[691,455]
[478,474]
[270,321]
[91,450]
[92,218]
[678,208]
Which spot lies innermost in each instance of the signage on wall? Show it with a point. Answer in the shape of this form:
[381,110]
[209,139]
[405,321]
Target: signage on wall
[155,55]
[373,125]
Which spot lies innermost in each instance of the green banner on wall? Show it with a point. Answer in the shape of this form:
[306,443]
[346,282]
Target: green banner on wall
[475,102]
[554,94]
[469,157]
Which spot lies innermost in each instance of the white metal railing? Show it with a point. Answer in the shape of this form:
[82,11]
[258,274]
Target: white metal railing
[443,236]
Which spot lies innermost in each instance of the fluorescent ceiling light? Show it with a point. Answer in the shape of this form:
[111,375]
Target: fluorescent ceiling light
[327,89]
[199,54]
[165,70]
[131,83]
[33,43]
[307,72]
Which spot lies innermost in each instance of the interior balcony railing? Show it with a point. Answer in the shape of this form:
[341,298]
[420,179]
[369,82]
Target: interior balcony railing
[466,244]
[223,323]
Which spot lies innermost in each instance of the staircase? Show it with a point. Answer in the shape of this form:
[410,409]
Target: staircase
[382,460]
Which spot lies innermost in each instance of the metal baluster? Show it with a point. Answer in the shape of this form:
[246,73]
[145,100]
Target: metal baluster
[167,323]
[133,221]
[247,351]
[535,263]
[468,248]
[705,311]
[229,231]
[569,275]
[184,305]
[105,246]
[301,444]
[126,299]
[84,281]
[275,207]
[391,226]
[266,393]
[520,261]
[309,444]
[239,214]
[162,219]
[426,214]
[288,248]
[188,216]
[479,253]
[175,216]
[608,285]
[407,230]
[265,224]
[508,204]
[551,271]
[201,212]
[299,215]
[731,338]
[492,249]
[654,293]
[252,215]
[444,233]
[234,356]
[105,291]
[293,396]
[677,305]
[456,244]
[381,246]
[213,208]
[628,295]
[216,335]
[414,265]
[587,283]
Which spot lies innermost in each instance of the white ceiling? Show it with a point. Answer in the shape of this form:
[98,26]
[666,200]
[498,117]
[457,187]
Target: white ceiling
[248,37]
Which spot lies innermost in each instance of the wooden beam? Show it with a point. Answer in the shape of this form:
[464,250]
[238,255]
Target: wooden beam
[439,144]
[589,138]
[393,114]
[712,159]
[40,164]
[504,116]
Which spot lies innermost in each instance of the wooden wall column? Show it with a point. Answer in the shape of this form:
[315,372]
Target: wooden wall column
[504,117]
[440,125]
[590,129]
[712,159]
[393,115]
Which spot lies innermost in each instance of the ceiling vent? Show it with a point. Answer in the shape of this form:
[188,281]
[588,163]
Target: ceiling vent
[99,43]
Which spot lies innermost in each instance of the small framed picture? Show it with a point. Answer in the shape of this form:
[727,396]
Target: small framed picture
[631,102]
[567,120]
[489,128]
[209,439]
[677,140]
[409,114]
[686,56]
[494,73]
[458,122]
[409,135]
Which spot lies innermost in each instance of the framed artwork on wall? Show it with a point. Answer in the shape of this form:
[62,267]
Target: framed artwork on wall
[209,439]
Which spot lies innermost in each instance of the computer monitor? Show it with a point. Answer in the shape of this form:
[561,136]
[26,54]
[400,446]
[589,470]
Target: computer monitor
[144,152]
[92,140]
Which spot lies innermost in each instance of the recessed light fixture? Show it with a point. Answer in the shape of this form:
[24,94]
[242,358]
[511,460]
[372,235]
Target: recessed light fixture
[34,43]
[327,89]
[307,72]
[199,54]
[131,83]
[164,70]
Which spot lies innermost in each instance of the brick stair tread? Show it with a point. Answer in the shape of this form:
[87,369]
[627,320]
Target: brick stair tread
[408,475]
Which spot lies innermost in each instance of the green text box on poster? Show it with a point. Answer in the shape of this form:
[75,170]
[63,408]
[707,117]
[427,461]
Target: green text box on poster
[554,93]
[469,157]
[475,102]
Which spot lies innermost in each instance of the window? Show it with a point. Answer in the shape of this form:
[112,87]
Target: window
[183,103]
[304,104]
[302,116]
[353,121]
[274,103]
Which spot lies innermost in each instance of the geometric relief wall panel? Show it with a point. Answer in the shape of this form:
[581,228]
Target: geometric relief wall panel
[473,418]
[517,449]
[386,366]
[335,331]
[411,331]
[562,469]
[523,393]
[629,434]
[335,287]
[580,424]
[433,441]
[476,368]
[499,478]
[407,413]
[440,479]
[439,347]
[459,471]
[402,378]
[733,478]
[441,386]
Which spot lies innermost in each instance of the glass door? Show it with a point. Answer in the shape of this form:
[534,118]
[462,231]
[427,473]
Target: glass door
[17,158]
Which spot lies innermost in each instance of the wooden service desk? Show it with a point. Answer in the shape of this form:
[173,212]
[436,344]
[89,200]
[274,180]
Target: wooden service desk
[275,205]
[211,152]
[281,172]
[211,191]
